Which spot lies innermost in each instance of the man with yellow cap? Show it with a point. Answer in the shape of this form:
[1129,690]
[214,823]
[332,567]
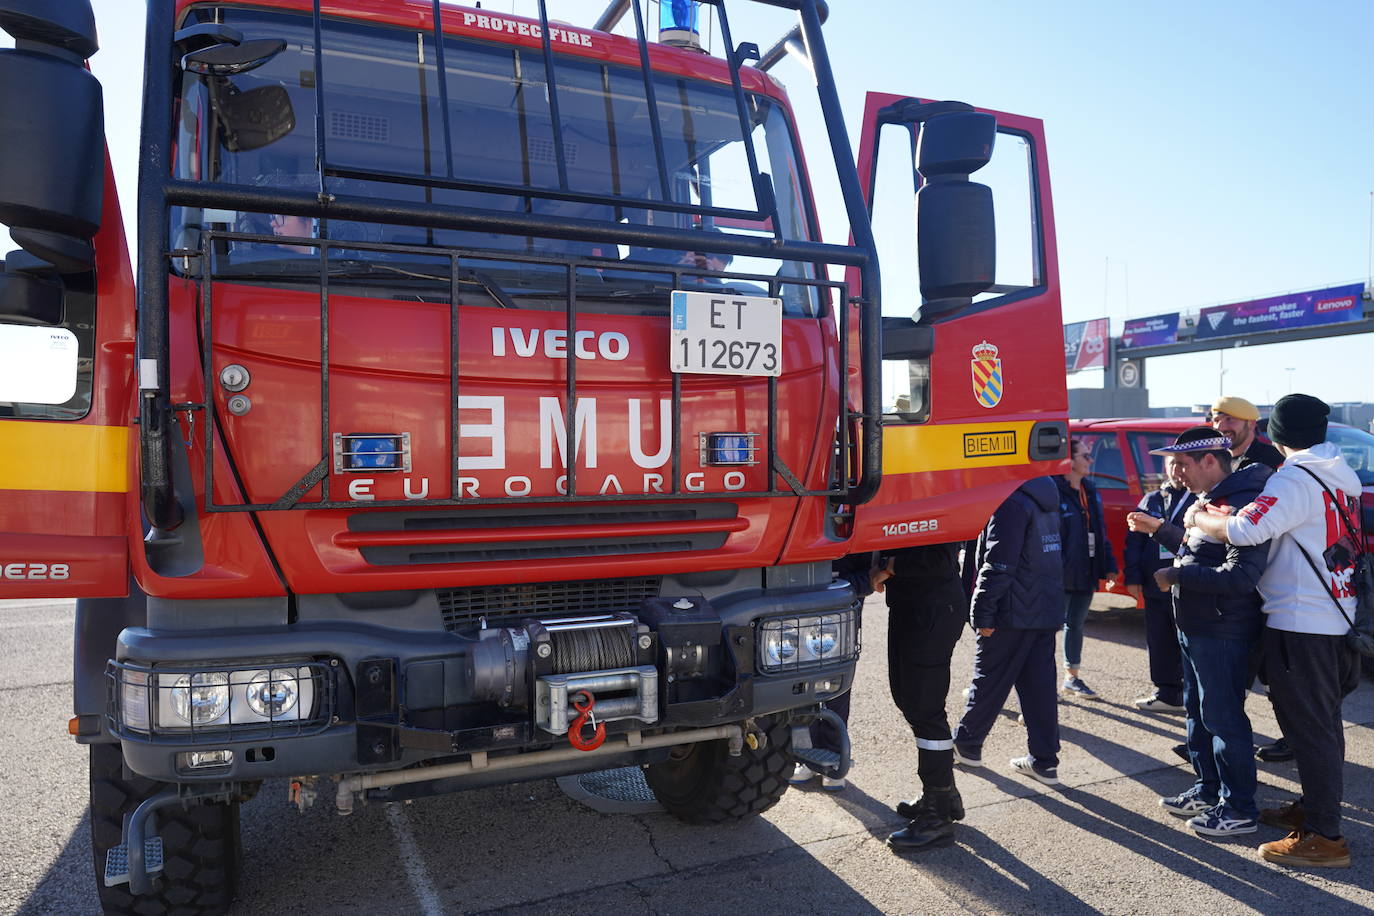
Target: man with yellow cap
[1236,419]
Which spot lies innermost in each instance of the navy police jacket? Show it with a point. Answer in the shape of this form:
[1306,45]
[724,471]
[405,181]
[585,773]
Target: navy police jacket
[1081,571]
[1217,592]
[1143,552]
[1020,582]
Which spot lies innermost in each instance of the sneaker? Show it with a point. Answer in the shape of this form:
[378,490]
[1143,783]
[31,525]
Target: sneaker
[967,756]
[802,773]
[1076,686]
[832,785]
[1277,752]
[1027,765]
[1290,817]
[1307,849]
[1186,804]
[1222,820]
[1153,703]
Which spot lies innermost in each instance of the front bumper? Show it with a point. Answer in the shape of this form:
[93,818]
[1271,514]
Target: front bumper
[385,698]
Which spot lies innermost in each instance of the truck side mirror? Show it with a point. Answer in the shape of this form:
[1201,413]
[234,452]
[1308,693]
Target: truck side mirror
[231,58]
[28,298]
[53,156]
[253,119]
[248,120]
[956,233]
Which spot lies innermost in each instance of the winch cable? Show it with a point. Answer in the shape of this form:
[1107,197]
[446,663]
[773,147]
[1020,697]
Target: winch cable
[596,649]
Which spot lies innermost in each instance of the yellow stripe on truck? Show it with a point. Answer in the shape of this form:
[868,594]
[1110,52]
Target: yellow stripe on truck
[63,456]
[955,446]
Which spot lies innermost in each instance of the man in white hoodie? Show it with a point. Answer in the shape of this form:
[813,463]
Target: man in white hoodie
[1308,605]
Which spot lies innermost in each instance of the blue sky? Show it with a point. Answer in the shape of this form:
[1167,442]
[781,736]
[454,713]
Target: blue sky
[1200,152]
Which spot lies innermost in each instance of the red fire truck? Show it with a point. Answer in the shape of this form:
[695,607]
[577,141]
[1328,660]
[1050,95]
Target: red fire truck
[480,405]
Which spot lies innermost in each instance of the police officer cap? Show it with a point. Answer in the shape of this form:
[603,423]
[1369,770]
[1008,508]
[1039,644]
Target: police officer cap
[1196,439]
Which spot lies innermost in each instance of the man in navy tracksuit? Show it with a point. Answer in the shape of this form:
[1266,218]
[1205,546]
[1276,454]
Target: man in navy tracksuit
[1217,610]
[1144,557]
[1017,608]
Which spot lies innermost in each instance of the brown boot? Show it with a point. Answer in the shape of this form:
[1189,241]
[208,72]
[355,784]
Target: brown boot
[1306,849]
[1288,817]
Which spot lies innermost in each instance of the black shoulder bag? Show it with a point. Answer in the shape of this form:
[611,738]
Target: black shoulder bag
[1361,635]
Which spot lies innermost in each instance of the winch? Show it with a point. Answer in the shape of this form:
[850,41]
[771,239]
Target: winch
[547,664]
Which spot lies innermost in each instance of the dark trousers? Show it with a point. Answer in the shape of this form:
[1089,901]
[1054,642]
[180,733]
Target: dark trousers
[1023,659]
[1220,743]
[925,619]
[1309,676]
[1161,641]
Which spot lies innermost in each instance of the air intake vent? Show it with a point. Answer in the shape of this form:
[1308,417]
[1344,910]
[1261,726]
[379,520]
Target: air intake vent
[542,150]
[352,125]
[463,607]
[522,534]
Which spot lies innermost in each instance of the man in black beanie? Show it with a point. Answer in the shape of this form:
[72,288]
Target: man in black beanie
[1308,510]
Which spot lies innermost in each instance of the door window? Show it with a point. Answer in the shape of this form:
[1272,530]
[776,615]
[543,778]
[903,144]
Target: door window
[1151,467]
[1109,466]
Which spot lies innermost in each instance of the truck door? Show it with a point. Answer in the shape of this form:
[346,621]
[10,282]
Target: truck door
[974,399]
[66,309]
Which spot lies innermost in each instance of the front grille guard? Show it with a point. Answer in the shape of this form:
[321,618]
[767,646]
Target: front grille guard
[782,480]
[846,623]
[158,192]
[148,690]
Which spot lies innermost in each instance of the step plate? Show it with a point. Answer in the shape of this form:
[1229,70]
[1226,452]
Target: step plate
[117,860]
[618,791]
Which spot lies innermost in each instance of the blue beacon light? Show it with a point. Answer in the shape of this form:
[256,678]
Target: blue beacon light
[377,452]
[678,23]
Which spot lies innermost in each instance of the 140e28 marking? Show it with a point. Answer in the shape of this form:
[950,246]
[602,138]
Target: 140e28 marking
[35,571]
[915,526]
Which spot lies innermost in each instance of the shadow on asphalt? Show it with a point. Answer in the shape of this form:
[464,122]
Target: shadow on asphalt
[516,848]
[1262,886]
[977,871]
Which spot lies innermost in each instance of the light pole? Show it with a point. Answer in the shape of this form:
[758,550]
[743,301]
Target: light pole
[1221,373]
[1289,370]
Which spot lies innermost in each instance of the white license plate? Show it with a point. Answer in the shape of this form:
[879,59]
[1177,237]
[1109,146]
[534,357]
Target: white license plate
[722,334]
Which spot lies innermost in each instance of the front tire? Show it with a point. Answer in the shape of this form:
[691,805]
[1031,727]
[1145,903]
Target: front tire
[200,843]
[705,785]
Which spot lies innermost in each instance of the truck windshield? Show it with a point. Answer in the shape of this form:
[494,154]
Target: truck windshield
[387,136]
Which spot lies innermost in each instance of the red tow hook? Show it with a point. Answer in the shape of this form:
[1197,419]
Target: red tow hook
[583,702]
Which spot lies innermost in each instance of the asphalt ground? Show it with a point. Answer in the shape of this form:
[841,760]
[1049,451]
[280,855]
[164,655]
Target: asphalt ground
[1099,843]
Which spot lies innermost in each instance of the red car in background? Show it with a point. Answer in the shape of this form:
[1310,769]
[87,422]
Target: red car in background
[1124,470]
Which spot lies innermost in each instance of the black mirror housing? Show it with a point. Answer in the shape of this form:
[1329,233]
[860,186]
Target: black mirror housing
[28,298]
[956,232]
[905,339]
[956,238]
[253,119]
[52,160]
[956,143]
[68,25]
[229,58]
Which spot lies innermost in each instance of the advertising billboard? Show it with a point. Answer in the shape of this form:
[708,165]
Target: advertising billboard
[1295,310]
[1085,345]
[1155,331]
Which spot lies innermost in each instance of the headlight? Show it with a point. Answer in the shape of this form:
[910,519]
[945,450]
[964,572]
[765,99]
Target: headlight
[201,698]
[795,643]
[166,700]
[822,639]
[273,696]
[780,645]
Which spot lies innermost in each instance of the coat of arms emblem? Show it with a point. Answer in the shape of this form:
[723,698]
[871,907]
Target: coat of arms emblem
[987,375]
